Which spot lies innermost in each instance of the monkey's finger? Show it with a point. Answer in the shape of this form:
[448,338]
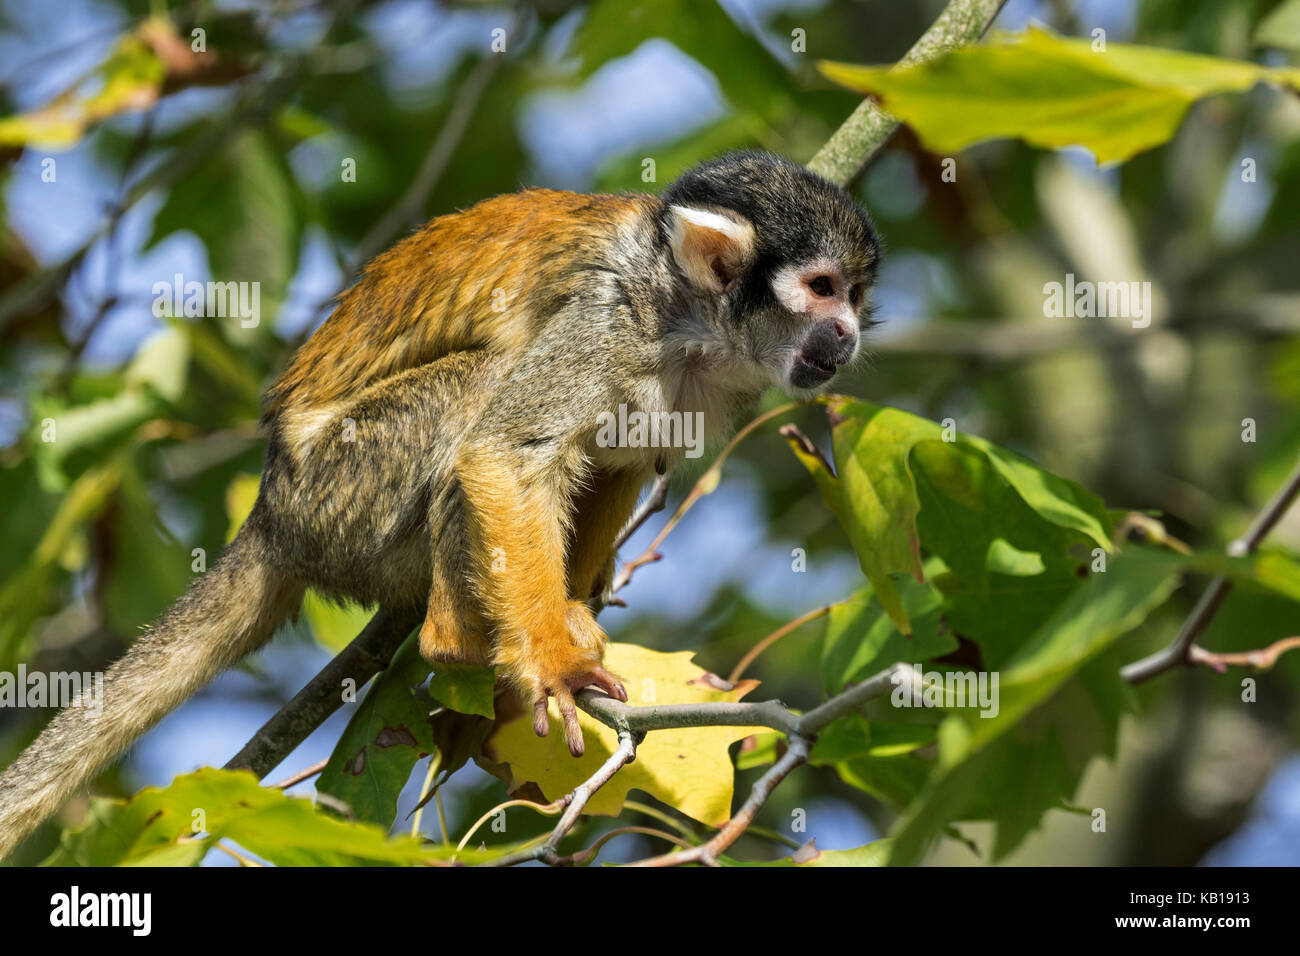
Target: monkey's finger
[610,683]
[572,729]
[603,679]
[541,721]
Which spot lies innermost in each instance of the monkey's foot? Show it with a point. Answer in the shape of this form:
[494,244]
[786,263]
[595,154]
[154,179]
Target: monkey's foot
[563,692]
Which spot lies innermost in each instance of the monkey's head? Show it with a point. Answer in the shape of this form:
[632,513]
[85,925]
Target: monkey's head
[781,261]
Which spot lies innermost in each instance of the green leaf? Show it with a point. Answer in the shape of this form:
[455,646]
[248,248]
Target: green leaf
[29,593]
[148,567]
[987,772]
[895,781]
[161,365]
[873,495]
[464,688]
[385,737]
[990,538]
[1052,91]
[1281,28]
[86,433]
[861,639]
[872,854]
[852,737]
[876,498]
[155,827]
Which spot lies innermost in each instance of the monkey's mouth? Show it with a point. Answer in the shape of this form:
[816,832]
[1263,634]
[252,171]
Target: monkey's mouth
[809,371]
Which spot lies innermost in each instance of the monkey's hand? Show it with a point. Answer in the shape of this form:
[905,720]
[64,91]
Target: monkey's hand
[560,665]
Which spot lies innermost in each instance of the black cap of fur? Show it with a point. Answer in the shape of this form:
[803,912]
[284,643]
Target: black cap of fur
[797,215]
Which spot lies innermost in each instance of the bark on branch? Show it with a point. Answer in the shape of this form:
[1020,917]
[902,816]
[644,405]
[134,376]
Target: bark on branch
[869,127]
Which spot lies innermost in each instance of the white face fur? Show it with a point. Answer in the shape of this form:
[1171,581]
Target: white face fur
[819,292]
[714,247]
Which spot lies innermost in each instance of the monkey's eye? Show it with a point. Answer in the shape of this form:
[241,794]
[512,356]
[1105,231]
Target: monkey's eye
[855,294]
[821,286]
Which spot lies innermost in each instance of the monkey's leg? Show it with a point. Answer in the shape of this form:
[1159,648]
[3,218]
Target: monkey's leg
[599,515]
[519,501]
[454,627]
[370,504]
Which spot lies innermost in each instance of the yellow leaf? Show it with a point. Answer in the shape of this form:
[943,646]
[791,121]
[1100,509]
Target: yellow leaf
[689,769]
[130,79]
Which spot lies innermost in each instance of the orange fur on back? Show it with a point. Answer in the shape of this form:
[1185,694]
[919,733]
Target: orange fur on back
[452,285]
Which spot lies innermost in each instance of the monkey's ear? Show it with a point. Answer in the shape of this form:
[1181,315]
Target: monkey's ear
[712,249]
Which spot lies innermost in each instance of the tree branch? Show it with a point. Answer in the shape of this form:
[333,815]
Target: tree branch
[801,733]
[368,654]
[576,801]
[633,723]
[869,127]
[705,485]
[653,504]
[707,853]
[1179,653]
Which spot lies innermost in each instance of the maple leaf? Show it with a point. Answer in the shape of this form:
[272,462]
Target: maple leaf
[689,769]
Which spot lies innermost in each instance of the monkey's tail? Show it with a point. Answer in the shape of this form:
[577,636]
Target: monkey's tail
[227,613]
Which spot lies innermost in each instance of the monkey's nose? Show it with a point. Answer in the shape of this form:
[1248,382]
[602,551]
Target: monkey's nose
[843,328]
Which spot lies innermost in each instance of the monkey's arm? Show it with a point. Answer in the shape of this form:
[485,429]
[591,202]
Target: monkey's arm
[521,473]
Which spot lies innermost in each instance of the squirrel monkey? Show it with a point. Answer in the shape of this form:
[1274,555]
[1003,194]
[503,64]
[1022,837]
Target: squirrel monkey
[432,447]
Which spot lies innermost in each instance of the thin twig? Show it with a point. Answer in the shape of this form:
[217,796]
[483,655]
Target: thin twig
[653,504]
[546,809]
[1178,653]
[705,485]
[586,856]
[575,801]
[1261,659]
[302,775]
[752,654]
[418,813]
[708,852]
